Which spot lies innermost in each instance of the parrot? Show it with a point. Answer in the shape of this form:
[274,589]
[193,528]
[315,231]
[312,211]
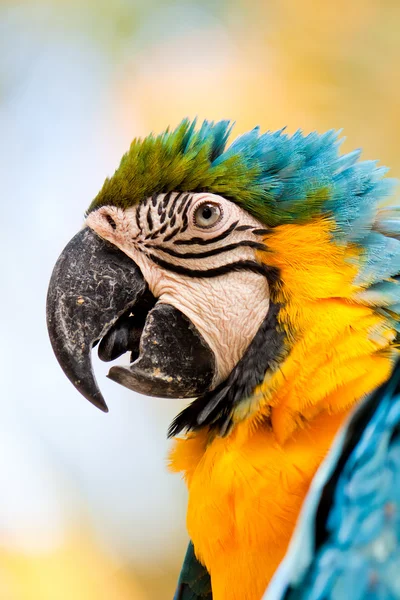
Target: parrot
[259,280]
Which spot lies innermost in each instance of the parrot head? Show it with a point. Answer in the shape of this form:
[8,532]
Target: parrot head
[233,275]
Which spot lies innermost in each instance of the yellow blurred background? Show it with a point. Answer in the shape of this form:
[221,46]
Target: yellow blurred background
[87,508]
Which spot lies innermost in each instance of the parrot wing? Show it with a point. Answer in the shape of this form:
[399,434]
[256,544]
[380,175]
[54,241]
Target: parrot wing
[347,541]
[194,580]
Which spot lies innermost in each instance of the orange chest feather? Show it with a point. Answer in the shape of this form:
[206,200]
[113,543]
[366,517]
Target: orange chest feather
[244,498]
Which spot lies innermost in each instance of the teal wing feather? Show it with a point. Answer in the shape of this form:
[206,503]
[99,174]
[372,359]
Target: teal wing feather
[194,581]
[347,543]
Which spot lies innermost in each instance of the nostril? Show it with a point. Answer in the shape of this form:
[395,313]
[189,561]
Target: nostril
[111,221]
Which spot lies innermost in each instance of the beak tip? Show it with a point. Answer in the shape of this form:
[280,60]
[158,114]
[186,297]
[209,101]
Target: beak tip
[89,390]
[98,402]
[95,397]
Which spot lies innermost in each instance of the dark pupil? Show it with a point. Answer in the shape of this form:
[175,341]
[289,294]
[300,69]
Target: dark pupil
[207,212]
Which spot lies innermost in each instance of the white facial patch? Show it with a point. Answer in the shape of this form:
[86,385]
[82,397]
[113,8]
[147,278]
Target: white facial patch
[197,253]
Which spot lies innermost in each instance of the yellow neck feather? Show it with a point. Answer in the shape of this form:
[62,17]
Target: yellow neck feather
[340,350]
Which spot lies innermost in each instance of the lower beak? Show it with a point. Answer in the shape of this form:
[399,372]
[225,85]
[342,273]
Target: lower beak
[97,293]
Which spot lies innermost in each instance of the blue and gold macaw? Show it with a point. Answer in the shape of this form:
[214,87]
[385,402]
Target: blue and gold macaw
[261,279]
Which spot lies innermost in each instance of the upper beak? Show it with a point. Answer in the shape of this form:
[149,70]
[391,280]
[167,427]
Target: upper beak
[97,292]
[92,284]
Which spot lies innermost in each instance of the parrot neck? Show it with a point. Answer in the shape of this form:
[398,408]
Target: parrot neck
[340,349]
[246,489]
[345,352]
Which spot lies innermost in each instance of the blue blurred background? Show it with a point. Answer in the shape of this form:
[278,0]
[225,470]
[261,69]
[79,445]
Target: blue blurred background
[87,508]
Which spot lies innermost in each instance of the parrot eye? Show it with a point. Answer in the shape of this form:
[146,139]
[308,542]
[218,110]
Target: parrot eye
[207,215]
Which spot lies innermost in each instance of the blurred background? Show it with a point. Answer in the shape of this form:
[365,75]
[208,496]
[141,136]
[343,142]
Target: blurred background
[87,507]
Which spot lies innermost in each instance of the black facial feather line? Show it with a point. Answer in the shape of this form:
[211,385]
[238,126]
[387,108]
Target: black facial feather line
[207,253]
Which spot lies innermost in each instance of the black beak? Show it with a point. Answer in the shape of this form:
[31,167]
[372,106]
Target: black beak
[92,284]
[97,292]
